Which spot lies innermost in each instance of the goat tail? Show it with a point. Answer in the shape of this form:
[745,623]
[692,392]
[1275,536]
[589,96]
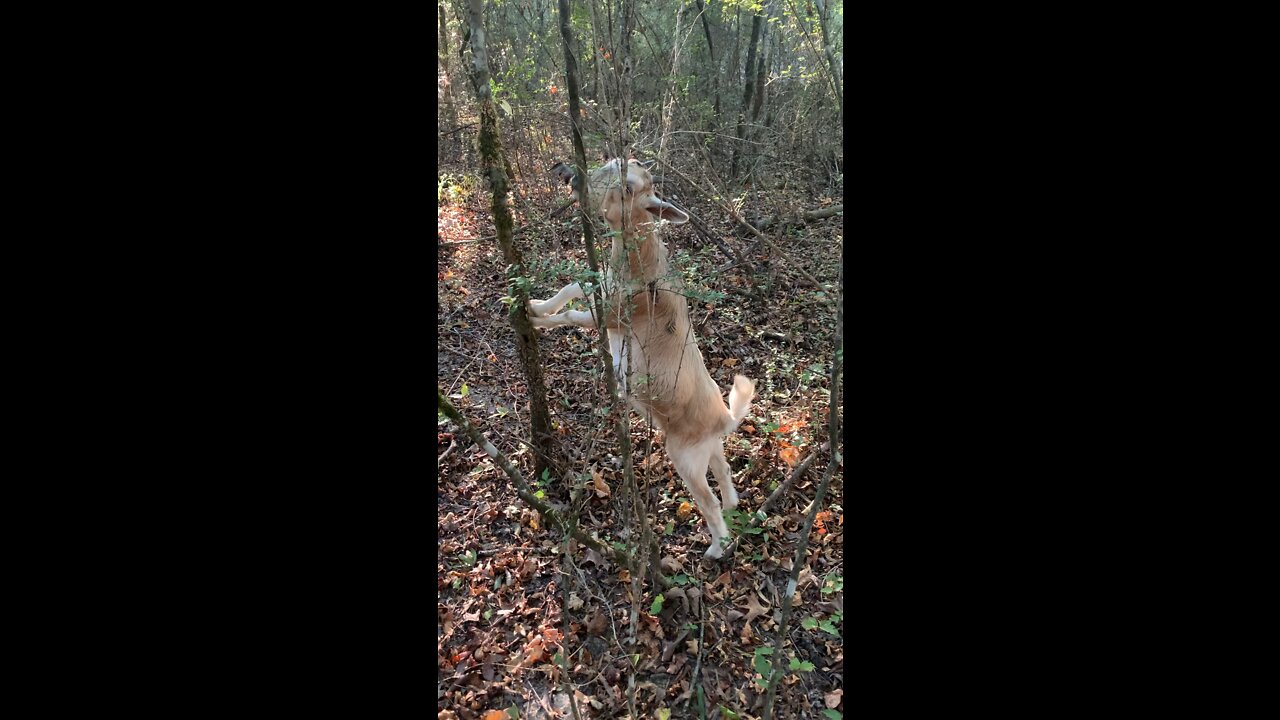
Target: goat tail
[740,397]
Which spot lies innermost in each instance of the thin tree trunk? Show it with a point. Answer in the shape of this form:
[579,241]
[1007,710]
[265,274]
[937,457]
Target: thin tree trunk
[748,86]
[450,111]
[836,80]
[760,71]
[492,162]
[675,82]
[711,53]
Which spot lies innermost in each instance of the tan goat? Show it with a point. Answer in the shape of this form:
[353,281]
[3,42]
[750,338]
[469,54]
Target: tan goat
[670,382]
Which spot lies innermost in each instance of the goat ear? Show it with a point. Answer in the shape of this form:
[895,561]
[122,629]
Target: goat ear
[666,210]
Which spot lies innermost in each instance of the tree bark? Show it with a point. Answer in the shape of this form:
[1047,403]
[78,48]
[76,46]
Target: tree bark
[492,163]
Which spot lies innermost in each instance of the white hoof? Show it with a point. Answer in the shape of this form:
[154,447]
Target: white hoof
[715,551]
[731,501]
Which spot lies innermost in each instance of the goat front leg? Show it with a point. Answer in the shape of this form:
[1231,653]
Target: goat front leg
[579,318]
[550,306]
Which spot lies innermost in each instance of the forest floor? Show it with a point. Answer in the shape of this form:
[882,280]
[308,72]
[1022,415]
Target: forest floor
[696,650]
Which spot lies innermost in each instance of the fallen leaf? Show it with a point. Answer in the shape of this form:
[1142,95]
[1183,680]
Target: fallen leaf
[682,512]
[624,575]
[789,455]
[730,362]
[533,652]
[575,602]
[754,608]
[597,623]
[793,425]
[497,715]
[552,635]
[671,564]
[597,481]
[832,699]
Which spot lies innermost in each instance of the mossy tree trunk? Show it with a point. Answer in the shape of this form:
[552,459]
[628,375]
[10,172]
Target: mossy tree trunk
[493,164]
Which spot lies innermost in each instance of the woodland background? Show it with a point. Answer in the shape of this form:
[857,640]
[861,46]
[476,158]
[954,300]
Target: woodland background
[569,576]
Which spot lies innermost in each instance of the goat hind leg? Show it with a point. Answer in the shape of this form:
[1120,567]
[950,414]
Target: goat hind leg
[720,468]
[691,464]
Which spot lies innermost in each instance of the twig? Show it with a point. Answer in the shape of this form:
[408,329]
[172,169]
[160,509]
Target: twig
[453,444]
[460,127]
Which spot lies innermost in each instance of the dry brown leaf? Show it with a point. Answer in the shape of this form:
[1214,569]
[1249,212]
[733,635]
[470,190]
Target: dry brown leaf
[597,623]
[832,699]
[575,602]
[551,635]
[730,362]
[671,564]
[624,575]
[597,481]
[533,652]
[754,608]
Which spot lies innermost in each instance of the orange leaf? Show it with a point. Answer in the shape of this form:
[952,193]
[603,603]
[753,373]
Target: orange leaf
[682,512]
[789,455]
[597,481]
[551,635]
[793,425]
[496,715]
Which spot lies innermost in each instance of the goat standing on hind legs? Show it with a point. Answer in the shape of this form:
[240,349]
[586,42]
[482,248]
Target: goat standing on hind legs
[675,390]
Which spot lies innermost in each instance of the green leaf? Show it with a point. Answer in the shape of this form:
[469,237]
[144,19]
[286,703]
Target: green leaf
[680,579]
[809,623]
[514,712]
[657,605]
[804,666]
[731,715]
[465,390]
[546,474]
[827,626]
[833,714]
[540,494]
[760,662]
[664,714]
[671,527]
